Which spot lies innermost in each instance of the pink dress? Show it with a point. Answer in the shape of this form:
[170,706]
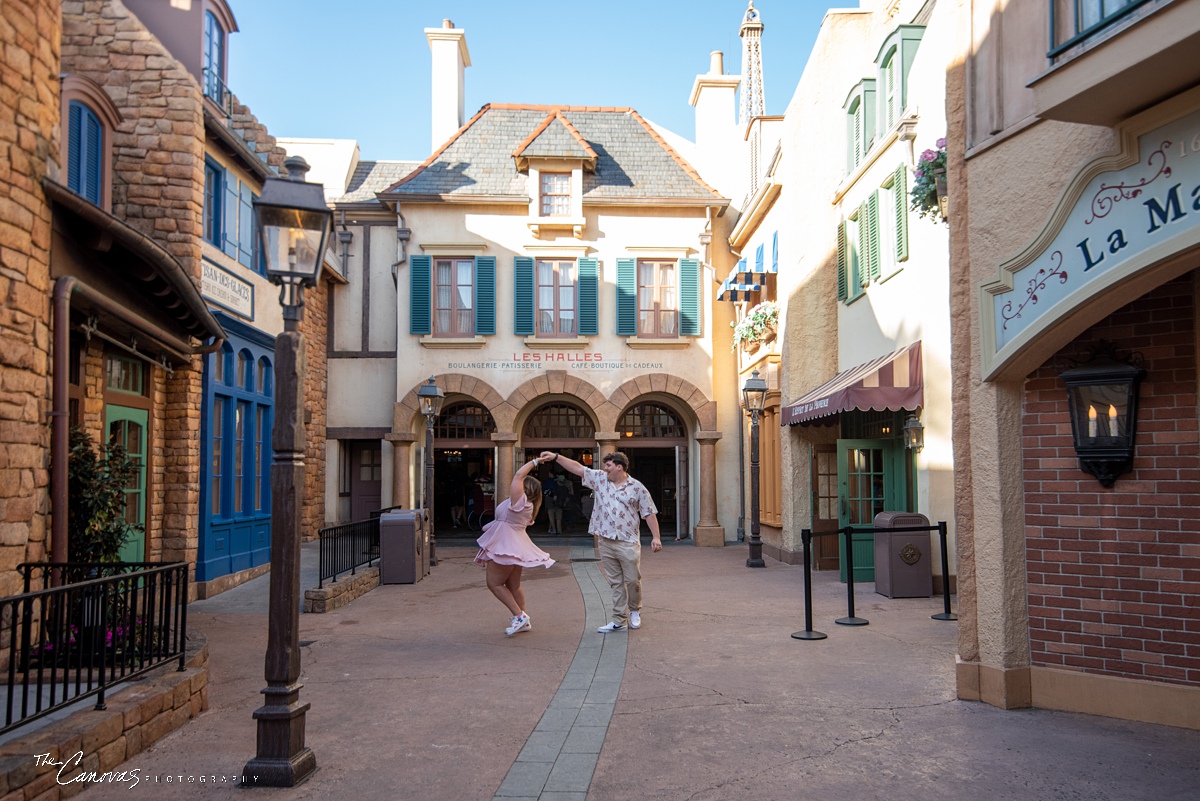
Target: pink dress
[504,540]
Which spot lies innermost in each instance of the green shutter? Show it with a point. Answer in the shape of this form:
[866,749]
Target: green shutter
[485,295]
[863,271]
[689,297]
[419,297]
[627,297]
[900,193]
[873,256]
[843,291]
[589,297]
[523,296]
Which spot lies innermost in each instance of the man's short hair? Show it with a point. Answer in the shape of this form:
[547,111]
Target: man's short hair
[618,458]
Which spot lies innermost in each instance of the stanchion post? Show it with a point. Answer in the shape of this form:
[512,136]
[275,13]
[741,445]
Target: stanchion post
[946,614]
[850,619]
[808,633]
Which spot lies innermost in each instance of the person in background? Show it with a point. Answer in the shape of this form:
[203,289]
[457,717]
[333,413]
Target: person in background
[621,504]
[505,548]
[554,496]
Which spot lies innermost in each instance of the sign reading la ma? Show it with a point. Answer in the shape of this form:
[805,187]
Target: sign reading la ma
[1120,215]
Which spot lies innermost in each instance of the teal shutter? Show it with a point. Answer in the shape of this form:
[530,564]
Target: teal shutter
[245,229]
[419,295]
[589,297]
[758,260]
[523,296]
[873,256]
[485,295]
[900,192]
[689,296]
[843,291]
[627,297]
[75,149]
[775,252]
[230,208]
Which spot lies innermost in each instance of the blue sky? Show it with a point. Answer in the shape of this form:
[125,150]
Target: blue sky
[359,69]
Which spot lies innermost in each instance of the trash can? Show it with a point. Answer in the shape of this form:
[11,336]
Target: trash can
[403,547]
[903,559]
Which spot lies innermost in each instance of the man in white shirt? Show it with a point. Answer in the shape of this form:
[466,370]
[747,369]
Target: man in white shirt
[620,504]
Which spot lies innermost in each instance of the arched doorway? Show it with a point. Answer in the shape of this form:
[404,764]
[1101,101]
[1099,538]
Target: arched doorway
[655,438]
[565,428]
[464,465]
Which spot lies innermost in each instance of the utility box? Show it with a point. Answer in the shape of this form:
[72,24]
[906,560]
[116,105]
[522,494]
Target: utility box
[903,559]
[403,547]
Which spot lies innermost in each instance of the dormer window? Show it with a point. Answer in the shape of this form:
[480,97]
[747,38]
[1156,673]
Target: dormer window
[556,194]
[860,123]
[894,60]
[214,59]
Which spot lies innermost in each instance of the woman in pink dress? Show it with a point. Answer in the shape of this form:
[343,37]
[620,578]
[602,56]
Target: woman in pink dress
[505,547]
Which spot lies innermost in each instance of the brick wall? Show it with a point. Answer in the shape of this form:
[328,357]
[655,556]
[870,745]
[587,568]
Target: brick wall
[315,327]
[1114,574]
[29,99]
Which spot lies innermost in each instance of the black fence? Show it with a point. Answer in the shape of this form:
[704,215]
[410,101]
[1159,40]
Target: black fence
[347,547]
[103,624]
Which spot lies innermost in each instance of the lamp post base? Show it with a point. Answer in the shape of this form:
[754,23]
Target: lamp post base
[287,772]
[283,760]
[752,562]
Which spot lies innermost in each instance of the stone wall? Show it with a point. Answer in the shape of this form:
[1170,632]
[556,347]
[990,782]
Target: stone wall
[29,145]
[315,328]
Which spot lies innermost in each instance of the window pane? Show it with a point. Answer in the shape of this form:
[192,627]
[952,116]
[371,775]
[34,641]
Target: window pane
[566,298]
[218,435]
[668,322]
[465,300]
[545,272]
[465,321]
[545,322]
[566,272]
[239,451]
[546,297]
[566,322]
[259,449]
[442,322]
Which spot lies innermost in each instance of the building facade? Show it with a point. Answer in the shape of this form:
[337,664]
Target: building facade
[1073,246]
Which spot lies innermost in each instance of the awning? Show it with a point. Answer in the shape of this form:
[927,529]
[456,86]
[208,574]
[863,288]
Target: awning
[745,278]
[891,382]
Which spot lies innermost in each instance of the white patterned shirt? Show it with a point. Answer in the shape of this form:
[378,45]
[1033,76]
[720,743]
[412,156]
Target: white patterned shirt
[618,510]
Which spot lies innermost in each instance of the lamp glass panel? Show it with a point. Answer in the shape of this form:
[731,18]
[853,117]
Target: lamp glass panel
[292,240]
[1100,413]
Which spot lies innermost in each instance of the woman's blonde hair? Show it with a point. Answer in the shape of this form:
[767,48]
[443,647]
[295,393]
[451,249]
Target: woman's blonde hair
[533,494]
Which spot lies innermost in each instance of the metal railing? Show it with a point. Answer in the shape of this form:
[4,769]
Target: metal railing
[347,547]
[216,91]
[107,624]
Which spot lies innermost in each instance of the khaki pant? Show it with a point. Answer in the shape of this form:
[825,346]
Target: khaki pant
[621,564]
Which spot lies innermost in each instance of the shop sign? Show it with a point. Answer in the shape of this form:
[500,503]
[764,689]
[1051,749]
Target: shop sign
[554,360]
[1108,226]
[226,290]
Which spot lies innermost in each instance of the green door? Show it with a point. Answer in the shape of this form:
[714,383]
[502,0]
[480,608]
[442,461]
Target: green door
[129,428]
[870,480]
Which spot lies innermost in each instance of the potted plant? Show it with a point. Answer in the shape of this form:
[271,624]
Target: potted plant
[928,195]
[757,326]
[96,524]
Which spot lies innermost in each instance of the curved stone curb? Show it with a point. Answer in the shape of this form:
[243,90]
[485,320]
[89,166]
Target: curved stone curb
[560,756]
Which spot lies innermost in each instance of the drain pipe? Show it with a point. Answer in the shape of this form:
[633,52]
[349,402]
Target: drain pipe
[403,234]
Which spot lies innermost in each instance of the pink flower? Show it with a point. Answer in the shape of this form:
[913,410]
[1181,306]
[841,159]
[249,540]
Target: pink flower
[941,142]
[928,155]
[920,174]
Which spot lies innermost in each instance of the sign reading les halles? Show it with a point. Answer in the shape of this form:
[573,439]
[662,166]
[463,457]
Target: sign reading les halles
[1122,221]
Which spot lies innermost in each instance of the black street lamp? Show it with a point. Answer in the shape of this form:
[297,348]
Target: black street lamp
[294,222]
[431,397]
[754,392]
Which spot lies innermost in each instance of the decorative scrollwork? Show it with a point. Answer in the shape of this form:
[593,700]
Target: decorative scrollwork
[1036,285]
[1108,196]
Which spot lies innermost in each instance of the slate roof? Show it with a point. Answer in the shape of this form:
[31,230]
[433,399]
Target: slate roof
[632,160]
[371,177]
[556,137]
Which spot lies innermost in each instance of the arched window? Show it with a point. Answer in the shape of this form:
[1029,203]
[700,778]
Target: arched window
[559,425]
[465,420]
[214,59]
[651,421]
[85,152]
[245,370]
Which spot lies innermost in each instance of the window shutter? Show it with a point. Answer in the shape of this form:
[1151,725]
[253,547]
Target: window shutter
[689,296]
[843,291]
[900,192]
[419,299]
[245,228]
[873,256]
[230,223]
[523,296]
[864,246]
[758,260]
[95,142]
[75,149]
[627,297]
[775,252]
[858,134]
[589,297]
[485,295]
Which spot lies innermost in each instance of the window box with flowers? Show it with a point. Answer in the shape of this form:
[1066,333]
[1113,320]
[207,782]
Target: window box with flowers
[757,327]
[929,195]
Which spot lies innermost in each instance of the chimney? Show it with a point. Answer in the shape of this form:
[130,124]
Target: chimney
[448,49]
[714,96]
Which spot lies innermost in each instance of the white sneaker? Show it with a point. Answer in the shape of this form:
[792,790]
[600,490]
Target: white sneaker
[610,627]
[519,623]
[635,619]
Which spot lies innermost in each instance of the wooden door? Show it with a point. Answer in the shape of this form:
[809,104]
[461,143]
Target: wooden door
[366,478]
[683,525]
[825,507]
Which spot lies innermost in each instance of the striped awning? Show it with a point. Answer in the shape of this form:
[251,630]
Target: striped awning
[738,284]
[891,382]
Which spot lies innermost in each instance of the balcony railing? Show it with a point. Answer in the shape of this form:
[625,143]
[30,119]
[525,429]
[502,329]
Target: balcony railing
[106,624]
[216,91]
[1079,20]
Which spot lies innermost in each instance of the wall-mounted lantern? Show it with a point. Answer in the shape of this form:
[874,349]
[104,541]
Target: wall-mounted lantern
[914,433]
[1103,396]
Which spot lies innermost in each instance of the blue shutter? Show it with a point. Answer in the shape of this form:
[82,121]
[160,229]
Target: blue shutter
[94,135]
[775,252]
[75,148]
[245,237]
[900,193]
[523,296]
[485,295]
[589,297]
[689,296]
[627,297]
[843,285]
[229,225]
[758,260]
[419,299]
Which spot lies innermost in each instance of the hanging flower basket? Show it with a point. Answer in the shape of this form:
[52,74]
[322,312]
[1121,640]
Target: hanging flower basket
[929,196]
[757,327]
